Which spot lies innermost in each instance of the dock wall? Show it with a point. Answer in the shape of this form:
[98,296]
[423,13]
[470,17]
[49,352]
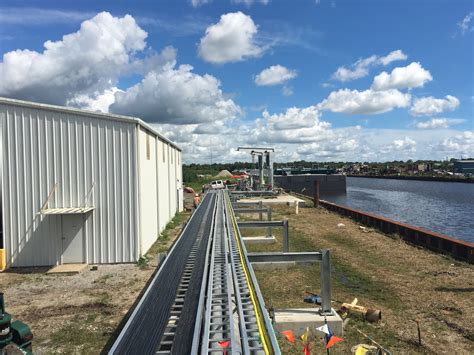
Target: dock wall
[437,242]
[304,184]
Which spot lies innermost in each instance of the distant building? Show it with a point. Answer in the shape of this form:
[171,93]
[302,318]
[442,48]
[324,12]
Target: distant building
[424,167]
[464,166]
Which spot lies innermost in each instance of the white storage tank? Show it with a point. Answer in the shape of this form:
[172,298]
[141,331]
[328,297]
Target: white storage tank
[82,187]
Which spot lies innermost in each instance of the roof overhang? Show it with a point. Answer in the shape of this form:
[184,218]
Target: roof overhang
[67,210]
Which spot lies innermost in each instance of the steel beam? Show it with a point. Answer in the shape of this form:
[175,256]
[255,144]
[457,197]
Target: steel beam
[325,282]
[276,257]
[250,210]
[237,203]
[262,224]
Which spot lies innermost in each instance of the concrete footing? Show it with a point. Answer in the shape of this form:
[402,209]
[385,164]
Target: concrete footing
[67,269]
[298,319]
[260,240]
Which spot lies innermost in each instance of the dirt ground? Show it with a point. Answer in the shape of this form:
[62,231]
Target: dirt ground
[383,272]
[78,313]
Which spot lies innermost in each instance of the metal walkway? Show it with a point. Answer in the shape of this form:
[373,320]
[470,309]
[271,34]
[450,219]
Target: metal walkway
[204,299]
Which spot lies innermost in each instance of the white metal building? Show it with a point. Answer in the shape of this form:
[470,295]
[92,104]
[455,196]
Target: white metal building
[82,187]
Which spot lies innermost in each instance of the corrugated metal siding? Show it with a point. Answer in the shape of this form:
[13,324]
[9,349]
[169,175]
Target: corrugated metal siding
[148,189]
[42,148]
[173,185]
[163,185]
[179,179]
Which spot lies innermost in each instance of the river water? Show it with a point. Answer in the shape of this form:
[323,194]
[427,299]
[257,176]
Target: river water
[443,207]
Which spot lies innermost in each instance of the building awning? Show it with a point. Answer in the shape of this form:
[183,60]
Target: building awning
[67,210]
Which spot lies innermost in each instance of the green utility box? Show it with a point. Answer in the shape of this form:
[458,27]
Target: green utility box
[15,337]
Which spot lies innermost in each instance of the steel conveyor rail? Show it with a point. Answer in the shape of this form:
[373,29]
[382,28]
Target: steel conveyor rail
[234,313]
[159,308]
[205,298]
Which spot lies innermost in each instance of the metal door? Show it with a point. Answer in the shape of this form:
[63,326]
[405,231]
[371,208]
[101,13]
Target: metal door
[72,239]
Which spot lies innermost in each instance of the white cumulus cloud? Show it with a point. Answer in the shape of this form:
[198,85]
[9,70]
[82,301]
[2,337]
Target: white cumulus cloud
[435,123]
[82,63]
[462,143]
[293,126]
[365,102]
[96,102]
[361,68]
[411,76]
[295,118]
[274,75]
[426,106]
[405,144]
[392,57]
[176,95]
[232,39]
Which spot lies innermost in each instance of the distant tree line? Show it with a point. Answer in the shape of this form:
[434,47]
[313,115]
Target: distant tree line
[192,172]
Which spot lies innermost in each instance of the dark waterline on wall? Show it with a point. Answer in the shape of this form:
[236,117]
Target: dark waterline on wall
[443,207]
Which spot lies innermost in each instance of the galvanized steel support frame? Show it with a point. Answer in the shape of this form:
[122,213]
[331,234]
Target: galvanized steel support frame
[323,256]
[269,224]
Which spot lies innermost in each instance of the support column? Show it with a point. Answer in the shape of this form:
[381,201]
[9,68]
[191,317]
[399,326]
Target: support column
[269,218]
[325,282]
[286,243]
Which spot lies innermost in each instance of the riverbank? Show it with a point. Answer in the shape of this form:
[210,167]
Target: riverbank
[405,282]
[421,237]
[420,178]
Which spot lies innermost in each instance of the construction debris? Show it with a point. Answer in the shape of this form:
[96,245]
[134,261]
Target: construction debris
[370,315]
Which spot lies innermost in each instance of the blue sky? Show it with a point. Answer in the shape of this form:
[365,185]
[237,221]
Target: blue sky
[318,80]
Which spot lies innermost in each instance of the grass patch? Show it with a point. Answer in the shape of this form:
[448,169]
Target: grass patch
[142,263]
[348,281]
[163,243]
[200,182]
[85,334]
